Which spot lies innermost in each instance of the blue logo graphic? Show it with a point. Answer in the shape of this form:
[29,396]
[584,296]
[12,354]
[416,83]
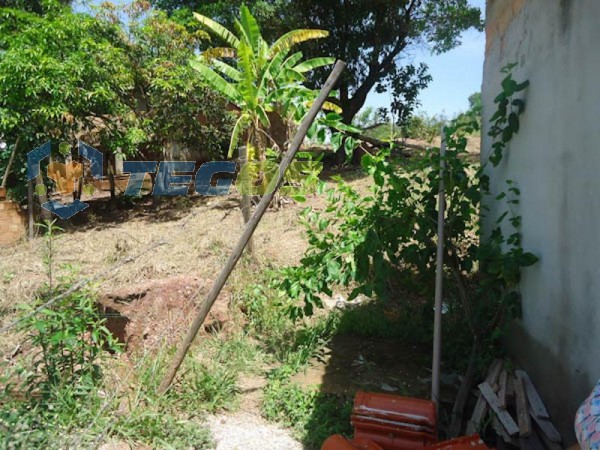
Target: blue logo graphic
[64,174]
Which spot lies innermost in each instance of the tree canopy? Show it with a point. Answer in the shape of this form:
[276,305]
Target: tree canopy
[66,75]
[59,74]
[373,37]
[35,6]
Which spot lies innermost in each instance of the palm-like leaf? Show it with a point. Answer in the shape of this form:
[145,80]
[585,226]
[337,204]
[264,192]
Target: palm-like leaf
[238,129]
[246,85]
[219,52]
[312,64]
[226,70]
[262,116]
[218,29]
[249,28]
[216,81]
[264,79]
[288,40]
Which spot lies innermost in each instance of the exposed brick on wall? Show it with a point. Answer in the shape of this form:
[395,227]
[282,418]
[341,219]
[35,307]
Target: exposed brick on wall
[499,16]
[12,225]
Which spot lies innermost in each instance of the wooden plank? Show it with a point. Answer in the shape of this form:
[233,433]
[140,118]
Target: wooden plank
[547,428]
[458,409]
[535,401]
[510,388]
[502,383]
[481,407]
[505,418]
[547,442]
[479,413]
[494,373]
[522,407]
[501,432]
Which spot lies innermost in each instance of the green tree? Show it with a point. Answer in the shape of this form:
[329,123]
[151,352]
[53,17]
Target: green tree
[265,78]
[36,6]
[473,114]
[372,37]
[173,109]
[60,74]
[128,87]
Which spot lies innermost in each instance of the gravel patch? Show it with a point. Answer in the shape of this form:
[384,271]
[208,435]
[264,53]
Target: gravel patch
[243,431]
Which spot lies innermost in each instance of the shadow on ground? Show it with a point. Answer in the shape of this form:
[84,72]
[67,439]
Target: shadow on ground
[103,213]
[377,349]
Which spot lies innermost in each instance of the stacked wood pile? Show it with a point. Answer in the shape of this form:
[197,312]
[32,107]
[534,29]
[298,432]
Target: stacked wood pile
[510,403]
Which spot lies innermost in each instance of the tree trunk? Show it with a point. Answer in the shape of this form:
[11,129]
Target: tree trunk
[246,204]
[44,213]
[10,163]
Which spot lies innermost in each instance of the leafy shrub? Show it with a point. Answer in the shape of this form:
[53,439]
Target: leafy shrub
[291,342]
[423,127]
[387,241]
[71,338]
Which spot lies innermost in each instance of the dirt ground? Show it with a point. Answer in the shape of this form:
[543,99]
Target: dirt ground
[354,363]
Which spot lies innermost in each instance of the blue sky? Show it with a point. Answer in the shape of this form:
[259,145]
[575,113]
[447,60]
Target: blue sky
[456,75]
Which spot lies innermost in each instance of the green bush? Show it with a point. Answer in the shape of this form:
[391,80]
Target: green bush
[423,127]
[55,392]
[385,242]
[71,338]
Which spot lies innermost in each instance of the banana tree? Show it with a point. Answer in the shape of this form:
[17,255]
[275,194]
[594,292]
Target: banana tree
[262,80]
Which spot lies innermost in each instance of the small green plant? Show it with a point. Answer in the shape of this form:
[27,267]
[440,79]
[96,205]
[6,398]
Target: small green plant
[313,416]
[71,338]
[54,390]
[163,430]
[50,229]
[214,387]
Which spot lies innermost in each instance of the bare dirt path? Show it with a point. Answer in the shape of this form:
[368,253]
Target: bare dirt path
[246,431]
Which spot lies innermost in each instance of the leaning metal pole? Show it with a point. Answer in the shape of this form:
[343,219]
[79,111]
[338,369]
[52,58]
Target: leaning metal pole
[211,297]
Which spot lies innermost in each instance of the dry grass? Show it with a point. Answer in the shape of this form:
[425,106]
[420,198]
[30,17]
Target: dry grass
[199,234]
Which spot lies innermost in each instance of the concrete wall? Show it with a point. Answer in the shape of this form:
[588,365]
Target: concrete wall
[555,160]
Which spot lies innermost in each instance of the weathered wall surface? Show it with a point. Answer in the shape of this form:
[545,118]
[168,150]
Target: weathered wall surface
[12,226]
[555,161]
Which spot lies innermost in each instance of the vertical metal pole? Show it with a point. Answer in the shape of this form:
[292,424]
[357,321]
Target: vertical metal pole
[439,277]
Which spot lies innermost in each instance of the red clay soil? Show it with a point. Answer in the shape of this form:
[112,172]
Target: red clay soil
[159,311]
